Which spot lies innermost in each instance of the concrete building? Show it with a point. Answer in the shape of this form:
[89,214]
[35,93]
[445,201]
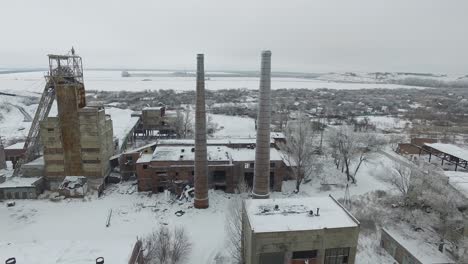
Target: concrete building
[261,185]
[307,230]
[20,187]
[407,250]
[228,163]
[87,156]
[127,160]
[14,153]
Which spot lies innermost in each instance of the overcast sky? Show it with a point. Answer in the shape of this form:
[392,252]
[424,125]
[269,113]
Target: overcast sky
[303,35]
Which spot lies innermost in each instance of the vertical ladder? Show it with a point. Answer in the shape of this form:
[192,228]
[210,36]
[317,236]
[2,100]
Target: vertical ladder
[32,141]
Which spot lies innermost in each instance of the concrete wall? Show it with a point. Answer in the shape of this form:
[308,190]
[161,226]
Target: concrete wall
[152,118]
[95,146]
[288,242]
[23,192]
[397,251]
[53,153]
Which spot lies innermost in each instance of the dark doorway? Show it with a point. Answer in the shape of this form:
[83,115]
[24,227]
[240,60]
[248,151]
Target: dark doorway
[248,178]
[272,179]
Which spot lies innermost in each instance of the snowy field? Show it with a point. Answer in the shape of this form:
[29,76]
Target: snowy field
[234,126]
[112,81]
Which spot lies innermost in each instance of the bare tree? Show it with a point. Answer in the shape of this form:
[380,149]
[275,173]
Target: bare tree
[299,148]
[165,247]
[234,229]
[350,148]
[234,223]
[400,178]
[183,122]
[211,126]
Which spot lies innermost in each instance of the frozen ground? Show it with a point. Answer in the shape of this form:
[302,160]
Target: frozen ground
[234,126]
[386,122]
[112,81]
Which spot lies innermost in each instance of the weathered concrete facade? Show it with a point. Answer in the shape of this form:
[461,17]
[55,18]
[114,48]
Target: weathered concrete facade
[95,145]
[19,188]
[330,241]
[261,185]
[395,246]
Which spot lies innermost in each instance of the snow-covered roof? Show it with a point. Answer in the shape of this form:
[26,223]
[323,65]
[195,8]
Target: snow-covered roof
[459,181]
[186,153]
[293,214]
[144,158]
[450,149]
[19,145]
[246,154]
[213,141]
[423,250]
[16,182]
[153,108]
[37,162]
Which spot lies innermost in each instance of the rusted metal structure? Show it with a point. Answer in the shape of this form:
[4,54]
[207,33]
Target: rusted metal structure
[201,167]
[261,186]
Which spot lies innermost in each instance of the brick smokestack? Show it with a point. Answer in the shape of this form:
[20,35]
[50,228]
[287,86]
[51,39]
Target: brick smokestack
[261,186]
[2,156]
[201,167]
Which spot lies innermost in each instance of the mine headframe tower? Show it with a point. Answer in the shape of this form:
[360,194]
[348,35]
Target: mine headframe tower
[62,69]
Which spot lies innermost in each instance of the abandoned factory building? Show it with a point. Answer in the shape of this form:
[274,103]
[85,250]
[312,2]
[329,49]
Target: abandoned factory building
[230,161]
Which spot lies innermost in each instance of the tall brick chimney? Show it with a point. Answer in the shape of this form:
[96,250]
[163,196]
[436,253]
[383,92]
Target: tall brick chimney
[201,167]
[261,186]
[2,156]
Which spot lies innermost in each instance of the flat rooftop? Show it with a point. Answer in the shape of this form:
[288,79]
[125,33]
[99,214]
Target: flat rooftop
[211,141]
[18,182]
[19,145]
[452,150]
[215,153]
[420,245]
[186,153]
[293,214]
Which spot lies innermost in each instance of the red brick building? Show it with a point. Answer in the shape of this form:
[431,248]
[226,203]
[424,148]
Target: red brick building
[171,166]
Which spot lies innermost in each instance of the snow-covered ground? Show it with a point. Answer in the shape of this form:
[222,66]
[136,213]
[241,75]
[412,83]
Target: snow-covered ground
[113,81]
[386,122]
[234,126]
[74,231]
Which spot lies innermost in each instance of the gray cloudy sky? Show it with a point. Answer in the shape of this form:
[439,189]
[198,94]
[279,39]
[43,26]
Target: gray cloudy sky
[304,35]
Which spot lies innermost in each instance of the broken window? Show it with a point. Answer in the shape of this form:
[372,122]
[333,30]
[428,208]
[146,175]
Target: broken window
[272,258]
[336,256]
[309,256]
[145,167]
[219,176]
